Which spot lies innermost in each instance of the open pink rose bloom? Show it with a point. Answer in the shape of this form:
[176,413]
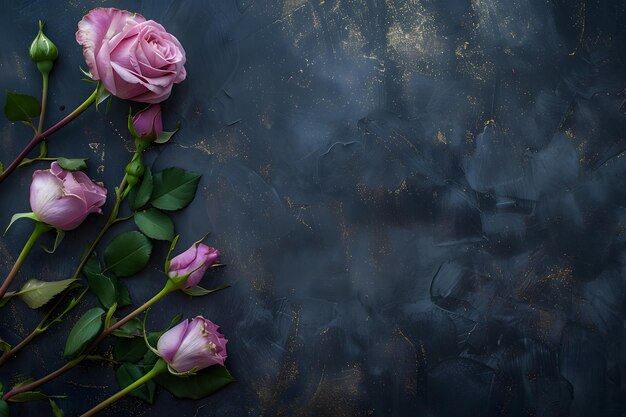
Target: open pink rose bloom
[193,345]
[134,58]
[63,199]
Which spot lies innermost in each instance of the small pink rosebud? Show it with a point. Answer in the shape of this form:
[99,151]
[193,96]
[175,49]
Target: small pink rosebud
[63,199]
[148,123]
[198,258]
[193,345]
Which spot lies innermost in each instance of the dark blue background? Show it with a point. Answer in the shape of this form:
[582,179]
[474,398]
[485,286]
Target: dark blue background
[421,203]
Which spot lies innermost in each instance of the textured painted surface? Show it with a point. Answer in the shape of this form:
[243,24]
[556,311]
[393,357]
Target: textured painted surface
[421,203]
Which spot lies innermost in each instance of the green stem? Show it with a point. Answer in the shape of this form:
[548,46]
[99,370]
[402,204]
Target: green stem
[43,325]
[169,287]
[159,368]
[40,228]
[43,151]
[36,140]
[110,221]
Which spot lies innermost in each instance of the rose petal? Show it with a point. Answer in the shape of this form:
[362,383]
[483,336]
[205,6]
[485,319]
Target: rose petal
[45,189]
[98,26]
[66,213]
[184,260]
[170,341]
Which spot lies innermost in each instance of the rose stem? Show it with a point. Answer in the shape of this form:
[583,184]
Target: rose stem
[41,136]
[41,327]
[169,287]
[159,367]
[43,151]
[40,228]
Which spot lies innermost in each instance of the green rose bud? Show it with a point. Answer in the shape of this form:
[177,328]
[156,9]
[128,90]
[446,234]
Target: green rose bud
[135,168]
[132,180]
[43,51]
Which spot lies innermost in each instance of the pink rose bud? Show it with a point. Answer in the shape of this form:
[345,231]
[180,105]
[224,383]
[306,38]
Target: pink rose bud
[134,58]
[198,258]
[63,199]
[193,346]
[148,123]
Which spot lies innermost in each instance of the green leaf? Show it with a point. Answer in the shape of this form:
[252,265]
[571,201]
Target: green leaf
[155,224]
[27,396]
[195,387]
[92,266]
[21,107]
[132,328]
[18,216]
[122,295]
[36,293]
[198,291]
[4,347]
[103,288]
[127,253]
[24,382]
[144,191]
[4,409]
[73,164]
[57,242]
[99,284]
[84,331]
[174,188]
[56,410]
[129,350]
[129,373]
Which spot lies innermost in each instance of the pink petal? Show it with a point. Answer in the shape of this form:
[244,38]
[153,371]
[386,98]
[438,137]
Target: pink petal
[97,27]
[45,189]
[66,213]
[56,169]
[170,341]
[105,71]
[184,260]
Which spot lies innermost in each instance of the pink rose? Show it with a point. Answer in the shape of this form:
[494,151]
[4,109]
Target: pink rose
[198,258]
[134,58]
[63,199]
[193,346]
[148,123]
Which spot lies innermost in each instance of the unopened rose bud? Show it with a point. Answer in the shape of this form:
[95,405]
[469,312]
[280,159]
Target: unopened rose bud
[43,51]
[194,261]
[63,199]
[193,345]
[148,123]
[135,168]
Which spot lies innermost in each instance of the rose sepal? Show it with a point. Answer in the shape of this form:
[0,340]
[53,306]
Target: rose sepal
[190,372]
[17,216]
[166,267]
